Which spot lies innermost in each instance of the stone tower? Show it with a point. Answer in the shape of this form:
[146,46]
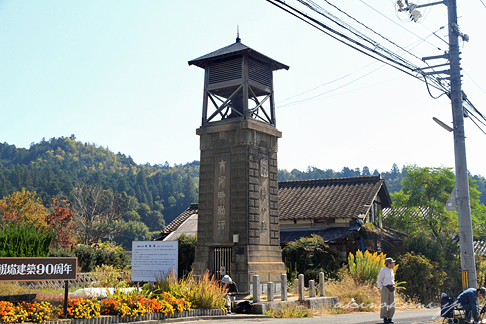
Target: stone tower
[238,225]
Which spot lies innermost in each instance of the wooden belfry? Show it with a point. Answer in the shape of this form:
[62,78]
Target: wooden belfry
[238,226]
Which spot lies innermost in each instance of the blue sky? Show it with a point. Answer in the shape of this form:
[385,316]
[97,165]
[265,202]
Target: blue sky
[115,73]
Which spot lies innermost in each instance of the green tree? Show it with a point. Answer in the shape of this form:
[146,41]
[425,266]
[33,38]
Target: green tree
[424,194]
[132,231]
[431,229]
[187,251]
[423,197]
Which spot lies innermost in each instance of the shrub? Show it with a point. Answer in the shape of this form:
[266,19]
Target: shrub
[61,253]
[365,267]
[108,276]
[202,292]
[86,258]
[7,288]
[90,256]
[310,256]
[24,240]
[414,266]
[443,253]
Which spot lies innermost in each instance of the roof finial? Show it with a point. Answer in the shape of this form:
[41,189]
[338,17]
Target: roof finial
[238,39]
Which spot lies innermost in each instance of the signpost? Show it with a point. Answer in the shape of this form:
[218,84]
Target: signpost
[36,269]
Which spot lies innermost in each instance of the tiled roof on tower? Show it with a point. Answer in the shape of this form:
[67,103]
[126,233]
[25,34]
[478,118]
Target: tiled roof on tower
[234,49]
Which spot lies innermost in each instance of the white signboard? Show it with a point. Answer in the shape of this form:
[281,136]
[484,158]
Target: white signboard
[151,259]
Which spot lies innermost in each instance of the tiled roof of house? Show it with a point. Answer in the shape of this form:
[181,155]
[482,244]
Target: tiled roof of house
[180,219]
[234,49]
[330,198]
[317,199]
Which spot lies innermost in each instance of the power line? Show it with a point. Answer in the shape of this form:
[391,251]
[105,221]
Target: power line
[388,40]
[472,106]
[474,81]
[338,94]
[391,56]
[475,122]
[335,80]
[310,99]
[386,57]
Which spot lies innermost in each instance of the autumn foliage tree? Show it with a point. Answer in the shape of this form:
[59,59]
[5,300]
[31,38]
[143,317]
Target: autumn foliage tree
[60,219]
[23,227]
[23,207]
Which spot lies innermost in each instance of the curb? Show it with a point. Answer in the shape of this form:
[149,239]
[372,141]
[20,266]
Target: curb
[212,318]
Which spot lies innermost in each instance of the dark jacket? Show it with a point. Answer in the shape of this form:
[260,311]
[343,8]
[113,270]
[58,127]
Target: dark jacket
[469,301]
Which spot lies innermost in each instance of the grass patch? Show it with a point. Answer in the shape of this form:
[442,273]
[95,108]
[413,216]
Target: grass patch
[12,289]
[288,311]
[354,295]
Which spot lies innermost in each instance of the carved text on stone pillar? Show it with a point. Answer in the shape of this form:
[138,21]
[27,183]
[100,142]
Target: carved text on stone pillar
[264,201]
[221,198]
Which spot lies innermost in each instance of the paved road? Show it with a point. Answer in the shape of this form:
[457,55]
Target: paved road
[401,317]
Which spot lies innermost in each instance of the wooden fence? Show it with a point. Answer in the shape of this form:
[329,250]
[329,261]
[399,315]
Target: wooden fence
[83,280]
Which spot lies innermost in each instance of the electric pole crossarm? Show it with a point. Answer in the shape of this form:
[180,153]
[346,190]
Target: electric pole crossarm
[435,66]
[438,72]
[443,56]
[431,4]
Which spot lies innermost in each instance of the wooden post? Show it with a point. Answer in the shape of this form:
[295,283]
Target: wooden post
[66,294]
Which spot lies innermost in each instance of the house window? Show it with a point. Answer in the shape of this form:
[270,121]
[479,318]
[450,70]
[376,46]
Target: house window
[374,214]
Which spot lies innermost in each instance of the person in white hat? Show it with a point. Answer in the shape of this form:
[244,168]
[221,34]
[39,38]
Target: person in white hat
[386,283]
[227,281]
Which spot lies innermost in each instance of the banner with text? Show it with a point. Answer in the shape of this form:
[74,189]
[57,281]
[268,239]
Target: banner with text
[32,269]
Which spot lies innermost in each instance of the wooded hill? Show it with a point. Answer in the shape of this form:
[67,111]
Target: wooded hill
[52,168]
[159,192]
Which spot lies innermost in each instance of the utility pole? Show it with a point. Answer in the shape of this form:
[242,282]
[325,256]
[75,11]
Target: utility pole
[468,264]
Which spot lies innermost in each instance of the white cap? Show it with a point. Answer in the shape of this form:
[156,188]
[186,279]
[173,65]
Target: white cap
[226,279]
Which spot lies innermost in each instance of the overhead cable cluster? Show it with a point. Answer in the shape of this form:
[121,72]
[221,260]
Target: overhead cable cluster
[345,33]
